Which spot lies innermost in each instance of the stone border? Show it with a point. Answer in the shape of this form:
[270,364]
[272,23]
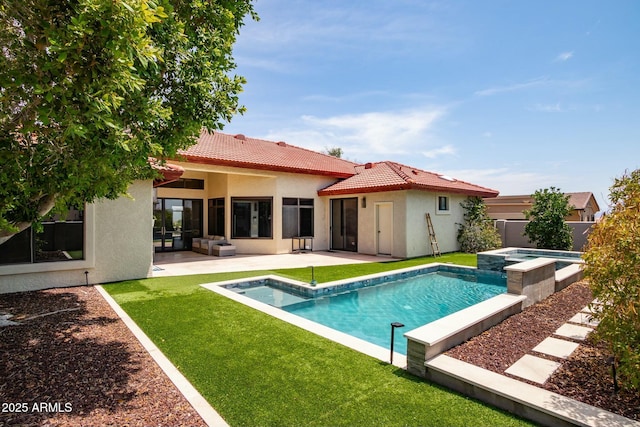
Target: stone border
[204,409]
[519,398]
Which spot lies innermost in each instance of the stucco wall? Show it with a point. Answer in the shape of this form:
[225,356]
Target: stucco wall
[117,247]
[512,234]
[445,224]
[410,238]
[367,221]
[123,230]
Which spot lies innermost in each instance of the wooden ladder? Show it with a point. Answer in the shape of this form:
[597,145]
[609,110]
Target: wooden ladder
[432,237]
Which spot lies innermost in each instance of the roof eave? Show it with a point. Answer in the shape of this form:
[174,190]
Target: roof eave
[377,189]
[260,166]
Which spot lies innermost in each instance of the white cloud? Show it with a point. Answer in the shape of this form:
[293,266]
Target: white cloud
[370,136]
[513,87]
[506,180]
[548,108]
[295,30]
[436,152]
[564,56]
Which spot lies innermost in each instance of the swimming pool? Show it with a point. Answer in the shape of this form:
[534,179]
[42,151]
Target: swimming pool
[365,308]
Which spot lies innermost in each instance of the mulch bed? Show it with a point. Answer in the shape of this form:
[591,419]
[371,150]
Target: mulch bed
[76,361]
[71,361]
[586,376]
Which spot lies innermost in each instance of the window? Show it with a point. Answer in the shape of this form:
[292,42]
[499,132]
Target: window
[443,204]
[188,183]
[252,217]
[216,217]
[297,217]
[61,239]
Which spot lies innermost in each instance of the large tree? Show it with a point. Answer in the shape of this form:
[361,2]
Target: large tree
[91,89]
[547,227]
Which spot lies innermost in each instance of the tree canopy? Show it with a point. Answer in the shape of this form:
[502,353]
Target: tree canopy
[91,89]
[613,268]
[547,227]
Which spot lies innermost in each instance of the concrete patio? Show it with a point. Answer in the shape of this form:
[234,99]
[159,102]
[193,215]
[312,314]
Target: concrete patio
[185,262]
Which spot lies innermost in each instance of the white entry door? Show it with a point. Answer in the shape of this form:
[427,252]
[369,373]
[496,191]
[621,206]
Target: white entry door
[384,228]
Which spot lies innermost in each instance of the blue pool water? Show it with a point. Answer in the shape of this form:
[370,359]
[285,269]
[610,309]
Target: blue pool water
[367,312]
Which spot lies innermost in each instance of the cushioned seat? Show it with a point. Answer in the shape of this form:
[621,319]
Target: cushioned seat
[205,245]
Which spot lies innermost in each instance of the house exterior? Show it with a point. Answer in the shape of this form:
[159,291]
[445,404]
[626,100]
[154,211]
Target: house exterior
[262,196]
[584,205]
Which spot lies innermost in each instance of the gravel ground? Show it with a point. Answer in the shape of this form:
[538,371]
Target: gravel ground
[71,361]
[585,376]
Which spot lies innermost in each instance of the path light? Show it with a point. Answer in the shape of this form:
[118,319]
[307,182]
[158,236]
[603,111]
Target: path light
[394,325]
[313,278]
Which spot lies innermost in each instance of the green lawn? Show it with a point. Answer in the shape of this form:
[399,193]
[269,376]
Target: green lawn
[258,371]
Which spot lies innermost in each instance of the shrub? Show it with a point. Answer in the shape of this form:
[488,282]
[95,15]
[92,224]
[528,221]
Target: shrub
[613,268]
[477,234]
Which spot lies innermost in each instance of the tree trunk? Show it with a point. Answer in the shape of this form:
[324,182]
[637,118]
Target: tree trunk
[46,204]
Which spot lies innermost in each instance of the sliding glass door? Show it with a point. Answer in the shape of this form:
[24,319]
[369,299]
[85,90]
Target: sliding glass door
[344,224]
[175,223]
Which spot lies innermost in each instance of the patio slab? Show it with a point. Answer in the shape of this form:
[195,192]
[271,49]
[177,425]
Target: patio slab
[533,368]
[584,319]
[573,331]
[555,347]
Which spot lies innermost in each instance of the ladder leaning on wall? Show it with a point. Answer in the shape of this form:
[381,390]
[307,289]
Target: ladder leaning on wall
[435,249]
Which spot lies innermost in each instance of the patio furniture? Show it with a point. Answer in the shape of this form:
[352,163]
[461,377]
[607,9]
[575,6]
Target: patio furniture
[304,243]
[205,245]
[223,249]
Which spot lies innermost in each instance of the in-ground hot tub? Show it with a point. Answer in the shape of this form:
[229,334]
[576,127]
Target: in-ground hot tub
[497,259]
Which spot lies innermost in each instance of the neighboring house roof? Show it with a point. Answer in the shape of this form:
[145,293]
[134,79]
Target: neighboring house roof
[577,200]
[514,205]
[390,176]
[581,200]
[244,152]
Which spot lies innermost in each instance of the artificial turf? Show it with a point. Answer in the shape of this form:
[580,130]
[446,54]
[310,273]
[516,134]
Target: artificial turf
[256,370]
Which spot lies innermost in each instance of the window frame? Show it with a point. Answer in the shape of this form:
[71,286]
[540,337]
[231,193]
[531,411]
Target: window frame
[261,234]
[43,267]
[300,205]
[447,202]
[214,206]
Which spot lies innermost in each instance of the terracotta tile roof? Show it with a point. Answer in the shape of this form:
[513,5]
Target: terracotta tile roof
[390,176]
[244,152]
[168,171]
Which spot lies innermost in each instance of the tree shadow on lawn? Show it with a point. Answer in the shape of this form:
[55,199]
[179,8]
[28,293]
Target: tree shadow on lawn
[57,359]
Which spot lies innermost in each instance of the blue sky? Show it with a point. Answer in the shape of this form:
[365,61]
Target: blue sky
[513,95]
